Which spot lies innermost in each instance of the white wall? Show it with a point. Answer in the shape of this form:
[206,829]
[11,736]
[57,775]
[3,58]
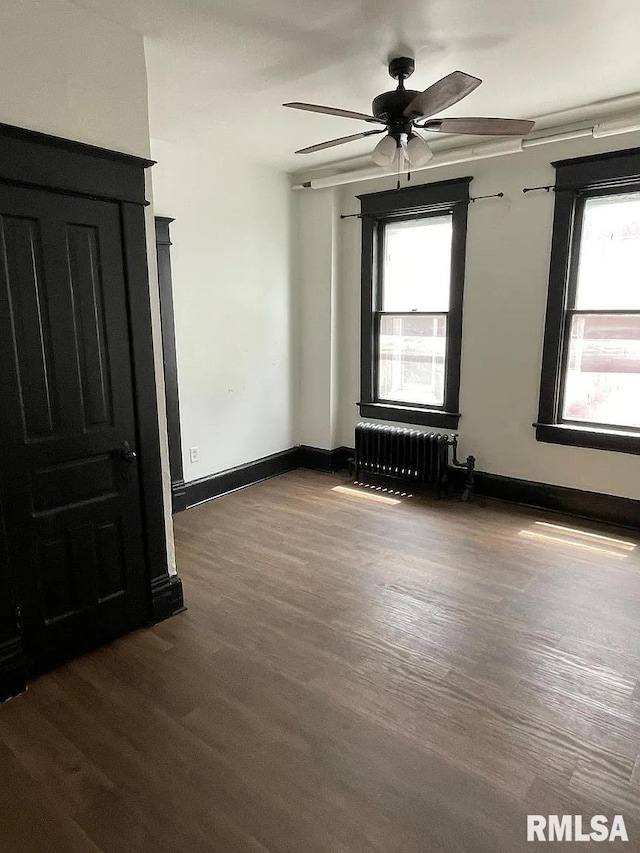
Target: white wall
[508,244]
[231,264]
[315,277]
[69,73]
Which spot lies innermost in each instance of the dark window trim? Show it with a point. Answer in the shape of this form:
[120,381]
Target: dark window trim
[377,209]
[409,414]
[577,180]
[597,439]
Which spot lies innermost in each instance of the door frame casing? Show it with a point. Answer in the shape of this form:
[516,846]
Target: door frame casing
[170,361]
[49,163]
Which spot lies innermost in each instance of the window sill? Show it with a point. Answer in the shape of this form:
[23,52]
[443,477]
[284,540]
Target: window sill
[618,441]
[410,415]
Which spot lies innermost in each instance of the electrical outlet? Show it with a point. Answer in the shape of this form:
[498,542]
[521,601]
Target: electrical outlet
[194,454]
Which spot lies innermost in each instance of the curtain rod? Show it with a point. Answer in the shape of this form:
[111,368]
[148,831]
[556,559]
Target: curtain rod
[471,201]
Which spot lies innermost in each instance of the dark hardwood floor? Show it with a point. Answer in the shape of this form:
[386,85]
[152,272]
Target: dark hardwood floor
[351,676]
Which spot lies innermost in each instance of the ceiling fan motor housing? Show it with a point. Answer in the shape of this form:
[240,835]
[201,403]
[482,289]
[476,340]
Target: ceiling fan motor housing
[390,106]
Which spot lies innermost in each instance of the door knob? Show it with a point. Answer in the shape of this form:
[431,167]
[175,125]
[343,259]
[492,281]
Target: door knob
[127,454]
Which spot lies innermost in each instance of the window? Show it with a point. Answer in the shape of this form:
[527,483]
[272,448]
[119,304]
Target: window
[590,389]
[413,254]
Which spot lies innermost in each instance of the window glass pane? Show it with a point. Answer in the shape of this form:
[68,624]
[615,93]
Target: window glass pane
[609,264]
[411,366]
[603,370]
[417,264]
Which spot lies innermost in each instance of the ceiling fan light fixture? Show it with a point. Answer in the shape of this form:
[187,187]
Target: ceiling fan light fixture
[385,151]
[417,151]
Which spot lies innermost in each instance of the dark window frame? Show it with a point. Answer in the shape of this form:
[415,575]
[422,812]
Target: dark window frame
[378,209]
[576,181]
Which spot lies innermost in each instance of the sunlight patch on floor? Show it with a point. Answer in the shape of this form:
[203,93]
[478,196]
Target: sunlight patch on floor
[607,546]
[372,493]
[617,543]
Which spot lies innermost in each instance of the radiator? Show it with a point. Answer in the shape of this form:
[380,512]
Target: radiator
[409,455]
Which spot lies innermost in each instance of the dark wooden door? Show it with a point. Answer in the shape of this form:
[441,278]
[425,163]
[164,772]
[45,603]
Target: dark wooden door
[68,473]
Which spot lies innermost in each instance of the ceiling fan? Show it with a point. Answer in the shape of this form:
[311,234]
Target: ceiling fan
[404,111]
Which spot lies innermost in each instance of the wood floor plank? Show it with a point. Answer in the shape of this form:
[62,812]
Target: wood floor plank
[31,820]
[350,677]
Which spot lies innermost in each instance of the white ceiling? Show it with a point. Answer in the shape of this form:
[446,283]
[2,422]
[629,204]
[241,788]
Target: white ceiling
[219,70]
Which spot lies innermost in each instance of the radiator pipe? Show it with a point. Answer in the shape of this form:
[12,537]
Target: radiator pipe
[469,464]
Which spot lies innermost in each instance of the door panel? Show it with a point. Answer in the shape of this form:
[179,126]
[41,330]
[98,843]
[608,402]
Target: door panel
[72,502]
[88,298]
[31,327]
[59,487]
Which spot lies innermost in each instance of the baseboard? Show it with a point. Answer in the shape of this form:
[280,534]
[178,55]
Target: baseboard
[177,595]
[215,485]
[302,456]
[166,597]
[324,460]
[178,496]
[593,506]
[13,669]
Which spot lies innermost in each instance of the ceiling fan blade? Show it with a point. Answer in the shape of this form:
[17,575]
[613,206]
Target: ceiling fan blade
[322,145]
[481,126]
[332,111]
[442,94]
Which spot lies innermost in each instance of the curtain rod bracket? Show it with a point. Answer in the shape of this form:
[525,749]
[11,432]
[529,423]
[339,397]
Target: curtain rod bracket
[548,188]
[480,197]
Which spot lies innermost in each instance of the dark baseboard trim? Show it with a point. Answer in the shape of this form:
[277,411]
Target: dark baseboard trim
[177,595]
[166,598]
[324,460]
[241,476]
[178,496]
[302,456]
[13,669]
[593,506]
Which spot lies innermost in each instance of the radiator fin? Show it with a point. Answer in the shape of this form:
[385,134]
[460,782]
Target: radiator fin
[403,454]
